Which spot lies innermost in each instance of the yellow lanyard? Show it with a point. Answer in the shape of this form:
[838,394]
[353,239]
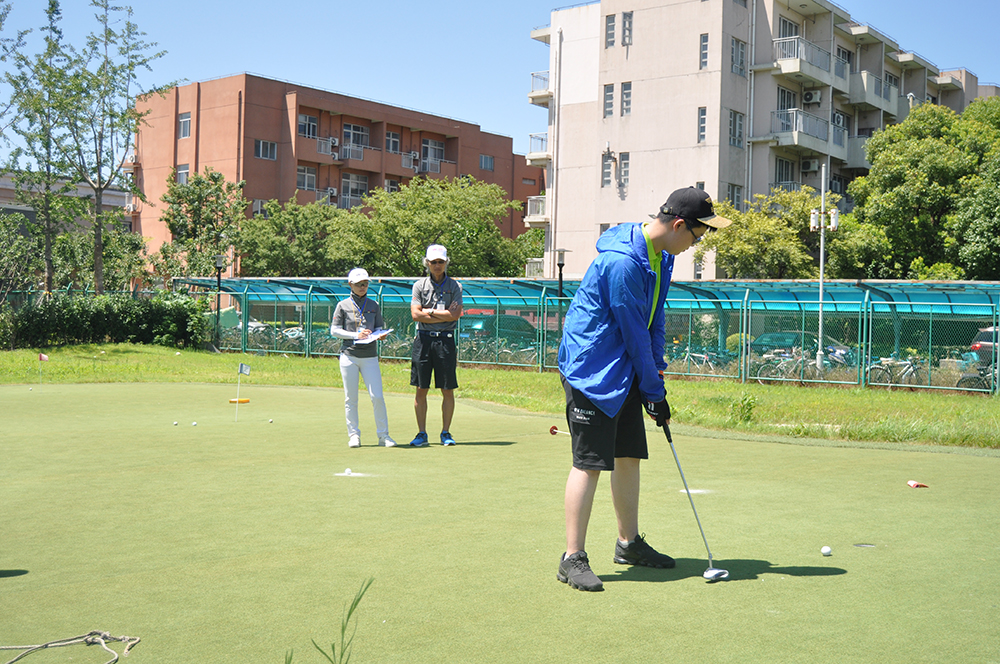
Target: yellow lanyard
[654,262]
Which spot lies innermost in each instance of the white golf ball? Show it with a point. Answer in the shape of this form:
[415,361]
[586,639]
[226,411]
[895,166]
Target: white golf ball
[347,472]
[270,421]
[194,424]
[826,551]
[175,423]
[29,389]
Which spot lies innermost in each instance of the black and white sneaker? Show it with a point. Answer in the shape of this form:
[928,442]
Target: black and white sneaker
[574,570]
[639,553]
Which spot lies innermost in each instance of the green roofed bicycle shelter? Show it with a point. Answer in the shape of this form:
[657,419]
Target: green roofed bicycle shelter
[877,318]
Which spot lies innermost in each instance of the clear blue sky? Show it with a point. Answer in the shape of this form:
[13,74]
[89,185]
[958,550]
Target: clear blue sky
[465,60]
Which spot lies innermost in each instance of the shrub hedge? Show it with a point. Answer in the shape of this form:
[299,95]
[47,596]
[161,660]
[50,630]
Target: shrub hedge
[166,319]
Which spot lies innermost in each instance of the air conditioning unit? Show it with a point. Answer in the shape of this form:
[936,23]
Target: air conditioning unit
[334,142]
[130,207]
[811,97]
[335,156]
[132,158]
[331,192]
[809,165]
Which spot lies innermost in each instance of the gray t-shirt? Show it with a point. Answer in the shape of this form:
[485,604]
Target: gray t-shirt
[429,295]
[352,315]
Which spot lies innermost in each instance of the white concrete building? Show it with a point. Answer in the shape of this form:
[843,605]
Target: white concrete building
[733,96]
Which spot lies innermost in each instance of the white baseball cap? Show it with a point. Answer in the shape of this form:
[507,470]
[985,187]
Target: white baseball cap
[356,275]
[435,252]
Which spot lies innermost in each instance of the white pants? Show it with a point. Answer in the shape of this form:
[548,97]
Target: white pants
[350,368]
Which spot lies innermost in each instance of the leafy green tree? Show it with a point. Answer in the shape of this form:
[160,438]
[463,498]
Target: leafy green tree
[204,216]
[766,241]
[859,251]
[978,224]
[124,257]
[294,241]
[915,182]
[460,213]
[18,255]
[40,169]
[97,108]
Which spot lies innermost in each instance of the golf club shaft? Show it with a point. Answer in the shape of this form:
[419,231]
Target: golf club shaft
[666,430]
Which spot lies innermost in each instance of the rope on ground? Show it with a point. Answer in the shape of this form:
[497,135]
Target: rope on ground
[91,638]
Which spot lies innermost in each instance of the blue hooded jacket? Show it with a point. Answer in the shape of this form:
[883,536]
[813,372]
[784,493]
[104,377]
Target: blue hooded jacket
[607,340]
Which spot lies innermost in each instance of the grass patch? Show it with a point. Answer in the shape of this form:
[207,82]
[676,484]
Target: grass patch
[833,413]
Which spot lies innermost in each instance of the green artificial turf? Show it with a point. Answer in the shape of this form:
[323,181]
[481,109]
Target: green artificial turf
[236,542]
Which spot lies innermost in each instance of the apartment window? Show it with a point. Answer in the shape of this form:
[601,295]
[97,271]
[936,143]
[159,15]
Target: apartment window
[699,185]
[182,173]
[184,125]
[355,134]
[698,271]
[702,123]
[308,125]
[265,149]
[739,57]
[352,188]
[838,184]
[306,180]
[786,99]
[703,57]
[892,79]
[609,31]
[734,194]
[742,2]
[609,100]
[931,99]
[787,28]
[603,228]
[392,143]
[259,209]
[392,186]
[528,181]
[626,99]
[623,159]
[736,129]
[485,162]
[846,56]
[784,170]
[626,28]
[606,170]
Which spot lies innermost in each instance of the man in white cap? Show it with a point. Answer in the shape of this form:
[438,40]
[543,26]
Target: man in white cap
[436,307]
[354,319]
[611,365]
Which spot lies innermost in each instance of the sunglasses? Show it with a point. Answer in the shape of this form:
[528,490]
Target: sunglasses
[691,227]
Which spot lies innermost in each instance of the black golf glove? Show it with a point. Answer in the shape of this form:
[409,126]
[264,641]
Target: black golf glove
[658,410]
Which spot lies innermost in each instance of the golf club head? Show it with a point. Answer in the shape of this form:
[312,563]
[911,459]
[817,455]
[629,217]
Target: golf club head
[713,574]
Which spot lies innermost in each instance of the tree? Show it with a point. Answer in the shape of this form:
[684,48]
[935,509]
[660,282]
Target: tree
[204,216]
[915,182]
[859,251]
[98,101]
[18,255]
[460,213]
[124,258]
[978,224]
[766,241]
[40,168]
[294,241]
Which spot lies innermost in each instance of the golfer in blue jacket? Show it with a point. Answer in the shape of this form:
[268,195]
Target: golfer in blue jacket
[611,363]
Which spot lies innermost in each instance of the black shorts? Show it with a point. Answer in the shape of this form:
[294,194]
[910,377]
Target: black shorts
[437,355]
[598,439]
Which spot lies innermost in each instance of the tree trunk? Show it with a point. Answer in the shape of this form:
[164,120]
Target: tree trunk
[98,242]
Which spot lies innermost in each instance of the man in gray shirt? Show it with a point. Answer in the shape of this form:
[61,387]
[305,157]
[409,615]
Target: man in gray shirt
[436,307]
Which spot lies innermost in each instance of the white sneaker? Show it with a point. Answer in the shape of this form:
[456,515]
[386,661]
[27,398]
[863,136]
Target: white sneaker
[355,441]
[388,442]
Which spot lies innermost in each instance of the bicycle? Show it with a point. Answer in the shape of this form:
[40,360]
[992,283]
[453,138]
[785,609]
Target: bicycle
[888,372]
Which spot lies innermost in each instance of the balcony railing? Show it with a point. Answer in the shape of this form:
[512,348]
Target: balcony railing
[410,160]
[538,142]
[352,152]
[794,119]
[867,132]
[540,81]
[798,48]
[839,136]
[326,145]
[536,206]
[347,202]
[430,165]
[841,68]
[787,185]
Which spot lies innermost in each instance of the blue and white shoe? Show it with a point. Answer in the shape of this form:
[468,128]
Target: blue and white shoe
[420,440]
[446,439]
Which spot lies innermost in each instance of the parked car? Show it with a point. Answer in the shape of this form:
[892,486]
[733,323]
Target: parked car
[515,330]
[984,344]
[770,341]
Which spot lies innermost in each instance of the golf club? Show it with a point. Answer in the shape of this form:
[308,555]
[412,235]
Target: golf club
[712,573]
[554,430]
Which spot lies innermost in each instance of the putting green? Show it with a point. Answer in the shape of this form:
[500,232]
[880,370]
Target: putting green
[236,542]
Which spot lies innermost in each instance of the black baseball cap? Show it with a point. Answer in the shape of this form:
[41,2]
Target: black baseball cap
[694,205]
